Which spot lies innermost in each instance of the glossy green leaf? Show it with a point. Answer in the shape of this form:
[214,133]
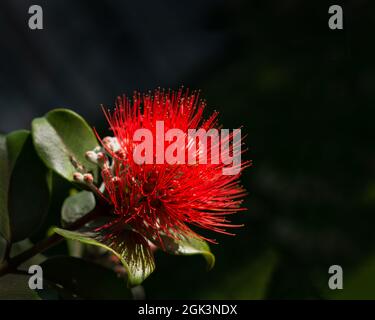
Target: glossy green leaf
[25,187]
[130,247]
[82,280]
[16,287]
[76,206]
[29,192]
[62,138]
[188,246]
[10,148]
[15,142]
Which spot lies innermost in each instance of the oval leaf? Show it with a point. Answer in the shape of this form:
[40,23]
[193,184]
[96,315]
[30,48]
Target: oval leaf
[29,192]
[76,206]
[129,246]
[15,142]
[10,148]
[24,186]
[183,245]
[62,138]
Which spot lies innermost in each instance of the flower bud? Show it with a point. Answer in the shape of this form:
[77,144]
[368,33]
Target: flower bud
[88,178]
[111,143]
[91,156]
[115,145]
[102,159]
[107,140]
[78,177]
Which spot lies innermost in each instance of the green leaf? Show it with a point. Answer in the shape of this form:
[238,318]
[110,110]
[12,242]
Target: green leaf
[10,148]
[62,138]
[183,245]
[29,191]
[16,287]
[129,246]
[76,206]
[81,279]
[15,142]
[25,187]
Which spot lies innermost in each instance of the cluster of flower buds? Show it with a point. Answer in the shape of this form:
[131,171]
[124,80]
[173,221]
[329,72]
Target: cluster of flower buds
[99,156]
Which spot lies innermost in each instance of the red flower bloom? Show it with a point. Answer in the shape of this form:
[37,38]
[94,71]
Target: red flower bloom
[161,198]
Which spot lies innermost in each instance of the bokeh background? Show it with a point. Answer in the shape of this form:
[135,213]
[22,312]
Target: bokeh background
[303,93]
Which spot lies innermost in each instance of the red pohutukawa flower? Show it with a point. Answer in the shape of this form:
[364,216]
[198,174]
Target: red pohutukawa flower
[169,192]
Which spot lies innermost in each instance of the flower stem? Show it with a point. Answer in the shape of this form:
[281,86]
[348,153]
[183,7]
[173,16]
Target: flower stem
[13,263]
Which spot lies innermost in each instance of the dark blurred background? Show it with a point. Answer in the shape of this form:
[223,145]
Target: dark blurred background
[304,93]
